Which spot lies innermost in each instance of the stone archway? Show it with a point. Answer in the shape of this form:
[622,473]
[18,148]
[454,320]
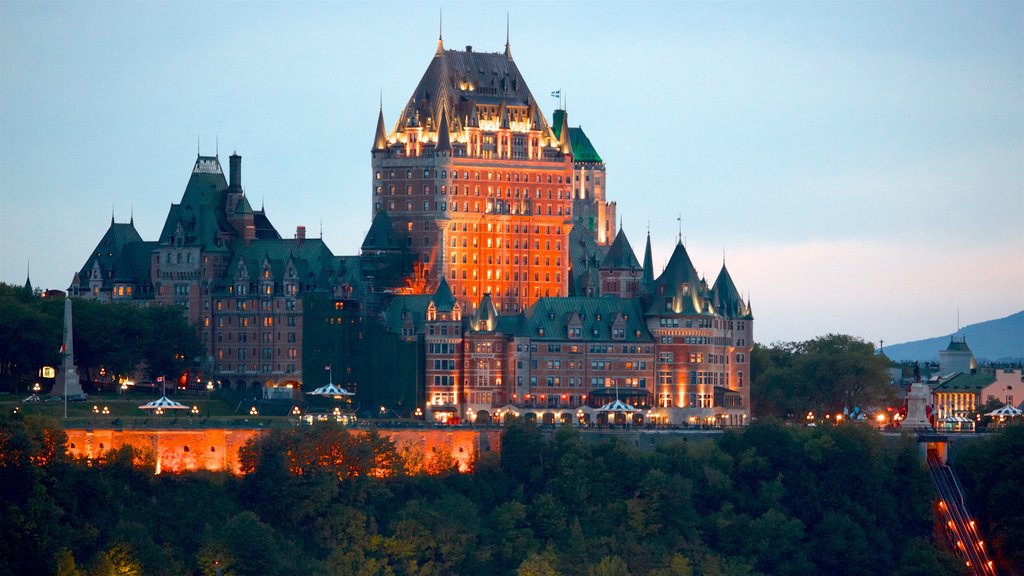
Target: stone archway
[548,418]
[483,417]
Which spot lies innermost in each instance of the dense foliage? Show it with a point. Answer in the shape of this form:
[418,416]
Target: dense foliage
[823,375]
[767,500]
[119,338]
[992,473]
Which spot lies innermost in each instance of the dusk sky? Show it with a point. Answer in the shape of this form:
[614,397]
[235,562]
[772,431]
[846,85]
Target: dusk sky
[860,164]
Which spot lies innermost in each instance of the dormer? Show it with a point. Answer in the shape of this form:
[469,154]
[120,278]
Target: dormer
[574,328]
[291,277]
[266,278]
[619,327]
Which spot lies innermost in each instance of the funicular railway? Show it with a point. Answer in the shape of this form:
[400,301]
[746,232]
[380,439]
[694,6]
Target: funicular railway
[958,526]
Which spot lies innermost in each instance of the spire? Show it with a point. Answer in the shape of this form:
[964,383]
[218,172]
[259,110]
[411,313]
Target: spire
[564,142]
[648,277]
[440,32]
[443,137]
[508,47]
[28,275]
[380,140]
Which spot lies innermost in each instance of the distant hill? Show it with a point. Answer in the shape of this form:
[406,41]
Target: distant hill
[993,341]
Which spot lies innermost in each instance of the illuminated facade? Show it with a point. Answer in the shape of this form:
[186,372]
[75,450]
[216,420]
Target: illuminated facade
[231,274]
[674,348]
[477,182]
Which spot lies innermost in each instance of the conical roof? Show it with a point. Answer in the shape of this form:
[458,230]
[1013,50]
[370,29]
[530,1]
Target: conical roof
[485,318]
[443,299]
[380,139]
[620,255]
[728,301]
[444,142]
[648,277]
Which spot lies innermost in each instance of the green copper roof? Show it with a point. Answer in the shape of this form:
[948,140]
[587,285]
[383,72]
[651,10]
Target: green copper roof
[965,382]
[583,150]
[620,256]
[382,234]
[406,308]
[728,301]
[110,255]
[550,318]
[443,299]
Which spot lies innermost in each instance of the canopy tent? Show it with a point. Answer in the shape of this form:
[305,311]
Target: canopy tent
[617,406]
[332,391]
[163,403]
[1007,411]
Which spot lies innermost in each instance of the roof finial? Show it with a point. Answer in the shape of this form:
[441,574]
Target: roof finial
[440,32]
[131,214]
[216,146]
[112,223]
[321,228]
[680,221]
[508,47]
[197,145]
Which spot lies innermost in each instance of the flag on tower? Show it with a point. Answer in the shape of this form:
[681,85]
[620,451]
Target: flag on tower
[556,94]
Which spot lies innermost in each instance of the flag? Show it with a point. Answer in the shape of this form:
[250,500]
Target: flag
[159,378]
[328,367]
[556,94]
[63,348]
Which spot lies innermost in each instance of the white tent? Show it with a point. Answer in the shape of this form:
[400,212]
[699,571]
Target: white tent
[1007,411]
[617,406]
[331,390]
[163,403]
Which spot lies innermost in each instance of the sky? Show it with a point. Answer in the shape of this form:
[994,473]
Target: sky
[858,165]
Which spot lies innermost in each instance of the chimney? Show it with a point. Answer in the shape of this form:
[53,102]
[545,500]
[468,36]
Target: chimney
[235,170]
[469,48]
[300,234]
[250,234]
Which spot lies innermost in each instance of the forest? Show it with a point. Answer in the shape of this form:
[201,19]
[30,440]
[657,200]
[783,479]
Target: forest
[770,499]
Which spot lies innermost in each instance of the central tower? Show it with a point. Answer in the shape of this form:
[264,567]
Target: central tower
[476,182]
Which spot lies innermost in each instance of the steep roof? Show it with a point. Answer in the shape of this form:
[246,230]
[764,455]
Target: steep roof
[443,299]
[314,263]
[458,81]
[406,307]
[583,150]
[485,317]
[549,319]
[110,254]
[620,255]
[200,214]
[681,282]
[648,277]
[728,301]
[585,255]
[381,235]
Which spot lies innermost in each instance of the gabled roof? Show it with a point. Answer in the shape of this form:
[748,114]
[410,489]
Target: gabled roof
[958,345]
[583,150]
[620,255]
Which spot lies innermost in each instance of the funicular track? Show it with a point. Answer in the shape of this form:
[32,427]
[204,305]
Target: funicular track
[957,524]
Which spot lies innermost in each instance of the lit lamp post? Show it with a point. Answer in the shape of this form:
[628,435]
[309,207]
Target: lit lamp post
[419,412]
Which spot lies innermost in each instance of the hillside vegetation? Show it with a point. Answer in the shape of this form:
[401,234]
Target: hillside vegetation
[768,500]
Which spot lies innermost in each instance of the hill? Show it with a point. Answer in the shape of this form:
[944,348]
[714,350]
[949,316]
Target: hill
[999,340]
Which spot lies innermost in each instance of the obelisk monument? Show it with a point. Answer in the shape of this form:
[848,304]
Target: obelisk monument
[71,386]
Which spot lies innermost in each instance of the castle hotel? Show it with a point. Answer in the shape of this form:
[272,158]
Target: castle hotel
[492,282]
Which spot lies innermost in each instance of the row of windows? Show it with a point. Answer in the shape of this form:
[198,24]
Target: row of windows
[508,176]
